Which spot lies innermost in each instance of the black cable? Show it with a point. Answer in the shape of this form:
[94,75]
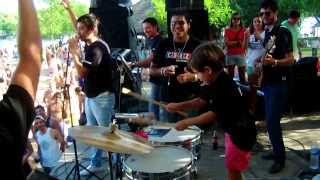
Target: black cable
[294,150]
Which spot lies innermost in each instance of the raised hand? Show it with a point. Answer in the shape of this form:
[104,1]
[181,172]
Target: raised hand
[65,3]
[74,45]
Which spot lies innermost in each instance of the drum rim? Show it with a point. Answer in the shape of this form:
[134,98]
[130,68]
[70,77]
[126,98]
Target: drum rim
[185,170]
[174,143]
[197,137]
[187,167]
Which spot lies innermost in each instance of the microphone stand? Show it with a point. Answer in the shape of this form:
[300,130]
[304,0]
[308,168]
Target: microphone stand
[67,97]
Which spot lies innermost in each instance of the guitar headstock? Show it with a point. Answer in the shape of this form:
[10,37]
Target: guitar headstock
[270,46]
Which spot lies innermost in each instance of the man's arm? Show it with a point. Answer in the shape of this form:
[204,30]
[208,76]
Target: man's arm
[205,118]
[72,14]
[29,47]
[196,103]
[154,70]
[56,135]
[228,42]
[143,63]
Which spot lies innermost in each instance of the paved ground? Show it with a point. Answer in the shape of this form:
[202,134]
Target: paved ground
[299,132]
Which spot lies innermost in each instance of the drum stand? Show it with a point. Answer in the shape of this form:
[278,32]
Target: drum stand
[77,164]
[118,167]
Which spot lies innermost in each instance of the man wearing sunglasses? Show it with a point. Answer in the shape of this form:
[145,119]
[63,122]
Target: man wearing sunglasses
[170,64]
[276,65]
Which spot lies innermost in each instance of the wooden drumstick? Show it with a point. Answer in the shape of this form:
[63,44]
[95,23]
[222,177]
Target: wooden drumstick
[142,98]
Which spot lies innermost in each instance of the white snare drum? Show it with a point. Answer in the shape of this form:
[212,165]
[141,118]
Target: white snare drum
[166,134]
[163,163]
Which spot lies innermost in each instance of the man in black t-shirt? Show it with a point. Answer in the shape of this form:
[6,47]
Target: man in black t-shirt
[170,63]
[276,66]
[151,31]
[16,108]
[96,69]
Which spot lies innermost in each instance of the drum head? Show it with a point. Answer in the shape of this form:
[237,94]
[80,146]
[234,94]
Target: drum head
[162,159]
[173,136]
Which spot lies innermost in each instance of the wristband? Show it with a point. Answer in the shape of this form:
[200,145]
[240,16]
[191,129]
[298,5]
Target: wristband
[275,62]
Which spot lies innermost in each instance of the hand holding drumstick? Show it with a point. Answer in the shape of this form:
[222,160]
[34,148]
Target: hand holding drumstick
[142,98]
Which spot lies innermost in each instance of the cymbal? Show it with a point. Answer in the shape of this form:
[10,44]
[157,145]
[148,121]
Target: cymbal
[113,140]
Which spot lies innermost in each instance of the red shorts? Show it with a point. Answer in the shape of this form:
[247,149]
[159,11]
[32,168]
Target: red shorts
[235,158]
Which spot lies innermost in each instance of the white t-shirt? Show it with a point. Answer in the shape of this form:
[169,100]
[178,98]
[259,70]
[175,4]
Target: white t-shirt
[255,48]
[50,149]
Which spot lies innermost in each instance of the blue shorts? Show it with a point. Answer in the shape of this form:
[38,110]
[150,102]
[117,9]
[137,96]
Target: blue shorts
[237,60]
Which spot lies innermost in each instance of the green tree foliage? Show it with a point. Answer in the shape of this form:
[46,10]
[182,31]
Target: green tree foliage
[219,12]
[8,25]
[55,21]
[159,12]
[248,9]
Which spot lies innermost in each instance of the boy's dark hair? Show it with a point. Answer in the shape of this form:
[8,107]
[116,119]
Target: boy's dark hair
[273,5]
[89,20]
[294,14]
[207,54]
[182,13]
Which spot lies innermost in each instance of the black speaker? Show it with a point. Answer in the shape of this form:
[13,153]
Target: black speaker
[109,3]
[116,25]
[186,4]
[305,86]
[199,22]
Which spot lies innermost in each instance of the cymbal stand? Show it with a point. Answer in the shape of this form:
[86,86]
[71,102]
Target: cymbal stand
[118,161]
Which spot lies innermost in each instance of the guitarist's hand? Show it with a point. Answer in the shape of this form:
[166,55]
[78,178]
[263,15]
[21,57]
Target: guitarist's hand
[268,60]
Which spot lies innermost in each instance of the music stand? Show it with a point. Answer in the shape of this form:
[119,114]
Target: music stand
[67,97]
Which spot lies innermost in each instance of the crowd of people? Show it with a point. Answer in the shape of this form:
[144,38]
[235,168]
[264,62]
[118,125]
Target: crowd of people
[185,73]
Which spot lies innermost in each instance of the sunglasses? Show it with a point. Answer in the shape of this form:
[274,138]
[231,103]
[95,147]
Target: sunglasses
[266,13]
[173,23]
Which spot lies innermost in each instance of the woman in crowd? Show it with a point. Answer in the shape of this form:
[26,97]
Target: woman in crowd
[255,51]
[235,42]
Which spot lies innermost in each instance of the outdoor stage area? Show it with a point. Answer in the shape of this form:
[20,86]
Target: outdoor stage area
[300,132]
